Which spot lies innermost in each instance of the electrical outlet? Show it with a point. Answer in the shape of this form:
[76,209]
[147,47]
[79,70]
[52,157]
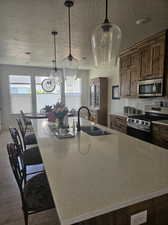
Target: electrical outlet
[139,218]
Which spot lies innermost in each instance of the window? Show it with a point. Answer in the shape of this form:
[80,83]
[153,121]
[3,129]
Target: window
[20,91]
[73,93]
[46,98]
[25,90]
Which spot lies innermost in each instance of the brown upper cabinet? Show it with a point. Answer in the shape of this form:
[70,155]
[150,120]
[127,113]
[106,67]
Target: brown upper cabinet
[144,61]
[152,59]
[129,74]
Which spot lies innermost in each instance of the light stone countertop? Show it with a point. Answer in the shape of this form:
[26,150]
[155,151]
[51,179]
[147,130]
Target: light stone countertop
[94,175]
[162,122]
[118,114]
[164,112]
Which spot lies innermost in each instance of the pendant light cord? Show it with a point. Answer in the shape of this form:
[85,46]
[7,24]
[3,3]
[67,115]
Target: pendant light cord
[106,18]
[55,56]
[106,9]
[69,18]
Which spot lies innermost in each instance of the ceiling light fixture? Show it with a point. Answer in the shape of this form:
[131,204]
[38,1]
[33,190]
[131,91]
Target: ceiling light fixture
[106,41]
[55,74]
[143,20]
[70,63]
[28,53]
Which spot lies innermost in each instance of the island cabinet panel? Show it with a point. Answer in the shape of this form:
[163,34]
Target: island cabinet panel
[118,123]
[156,210]
[160,135]
[123,216]
[106,219]
[161,210]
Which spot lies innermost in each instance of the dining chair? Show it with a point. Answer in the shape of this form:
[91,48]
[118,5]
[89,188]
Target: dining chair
[35,193]
[28,139]
[31,156]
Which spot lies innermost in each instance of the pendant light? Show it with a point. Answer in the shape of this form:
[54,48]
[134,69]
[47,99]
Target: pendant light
[106,41]
[70,63]
[55,74]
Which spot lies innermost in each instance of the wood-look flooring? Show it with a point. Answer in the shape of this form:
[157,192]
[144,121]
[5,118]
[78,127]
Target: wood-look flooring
[10,202]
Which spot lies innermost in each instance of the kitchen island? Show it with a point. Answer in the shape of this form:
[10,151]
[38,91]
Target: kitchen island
[107,178]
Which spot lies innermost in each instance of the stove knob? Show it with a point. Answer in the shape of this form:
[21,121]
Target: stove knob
[129,120]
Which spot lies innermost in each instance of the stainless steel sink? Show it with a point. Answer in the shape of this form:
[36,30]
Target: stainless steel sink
[94,131]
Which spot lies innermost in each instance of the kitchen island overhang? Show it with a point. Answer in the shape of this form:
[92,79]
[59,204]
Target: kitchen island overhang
[91,176]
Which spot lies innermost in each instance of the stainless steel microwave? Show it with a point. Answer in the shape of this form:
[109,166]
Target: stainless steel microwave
[150,88]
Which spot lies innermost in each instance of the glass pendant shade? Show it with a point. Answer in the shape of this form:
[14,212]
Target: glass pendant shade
[55,74]
[70,67]
[106,41]
[55,77]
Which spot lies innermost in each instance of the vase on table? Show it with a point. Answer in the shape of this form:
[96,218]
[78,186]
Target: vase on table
[63,122]
[51,116]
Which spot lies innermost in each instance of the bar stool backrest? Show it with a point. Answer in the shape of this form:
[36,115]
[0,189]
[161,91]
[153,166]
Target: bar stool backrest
[15,159]
[23,117]
[21,128]
[16,139]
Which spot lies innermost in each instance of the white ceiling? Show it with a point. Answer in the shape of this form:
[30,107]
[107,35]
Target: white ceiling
[25,26]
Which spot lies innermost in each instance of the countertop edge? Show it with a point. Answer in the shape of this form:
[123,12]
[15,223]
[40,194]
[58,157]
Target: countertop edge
[118,114]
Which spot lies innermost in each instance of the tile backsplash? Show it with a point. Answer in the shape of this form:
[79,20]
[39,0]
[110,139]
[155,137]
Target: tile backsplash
[117,106]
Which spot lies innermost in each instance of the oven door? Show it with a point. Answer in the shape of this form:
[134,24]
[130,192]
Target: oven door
[140,134]
[149,88]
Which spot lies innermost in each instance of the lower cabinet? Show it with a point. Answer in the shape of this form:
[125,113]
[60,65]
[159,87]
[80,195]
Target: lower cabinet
[160,135]
[118,123]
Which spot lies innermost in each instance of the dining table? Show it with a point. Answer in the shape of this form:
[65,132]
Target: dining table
[35,115]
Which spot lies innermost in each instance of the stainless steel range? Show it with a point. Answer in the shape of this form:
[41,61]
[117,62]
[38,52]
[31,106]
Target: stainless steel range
[139,126]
